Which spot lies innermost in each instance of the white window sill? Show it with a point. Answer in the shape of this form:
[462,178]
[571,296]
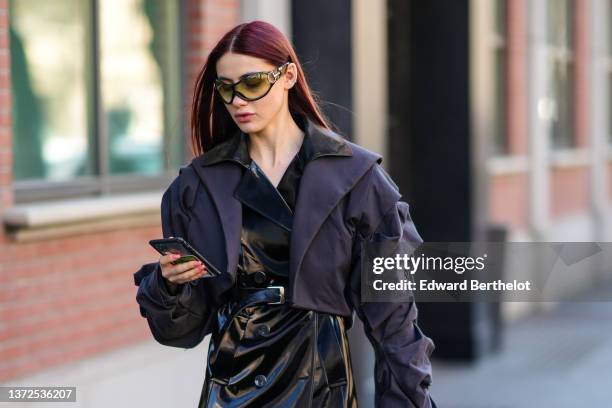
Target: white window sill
[505,165]
[561,158]
[50,219]
[570,157]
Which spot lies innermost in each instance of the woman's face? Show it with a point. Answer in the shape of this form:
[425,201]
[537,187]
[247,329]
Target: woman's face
[230,67]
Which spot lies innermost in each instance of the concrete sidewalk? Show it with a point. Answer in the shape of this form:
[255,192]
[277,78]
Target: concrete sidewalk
[144,375]
[561,359]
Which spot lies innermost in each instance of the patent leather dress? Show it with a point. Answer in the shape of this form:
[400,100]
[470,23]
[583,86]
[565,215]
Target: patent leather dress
[265,353]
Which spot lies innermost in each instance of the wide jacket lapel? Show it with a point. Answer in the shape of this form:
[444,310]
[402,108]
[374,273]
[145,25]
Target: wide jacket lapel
[257,192]
[324,183]
[221,181]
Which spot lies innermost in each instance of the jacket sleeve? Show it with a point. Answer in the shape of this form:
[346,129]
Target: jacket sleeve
[184,318]
[403,371]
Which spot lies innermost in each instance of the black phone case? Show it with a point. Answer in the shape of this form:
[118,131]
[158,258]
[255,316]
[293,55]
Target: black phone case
[187,252]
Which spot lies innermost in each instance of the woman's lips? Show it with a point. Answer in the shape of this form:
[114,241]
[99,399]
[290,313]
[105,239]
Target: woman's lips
[244,117]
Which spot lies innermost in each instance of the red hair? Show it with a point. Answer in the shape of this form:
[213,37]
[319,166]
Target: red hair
[210,122]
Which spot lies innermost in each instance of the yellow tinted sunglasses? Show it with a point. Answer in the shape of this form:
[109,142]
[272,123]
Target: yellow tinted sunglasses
[251,86]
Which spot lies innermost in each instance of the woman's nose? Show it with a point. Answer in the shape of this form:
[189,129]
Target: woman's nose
[238,102]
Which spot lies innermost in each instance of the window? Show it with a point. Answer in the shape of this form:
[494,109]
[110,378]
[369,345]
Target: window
[500,144]
[96,88]
[559,39]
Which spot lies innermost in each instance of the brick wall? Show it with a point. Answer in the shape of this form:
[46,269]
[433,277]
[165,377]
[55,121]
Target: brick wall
[569,191]
[516,86]
[509,199]
[66,299]
[207,22]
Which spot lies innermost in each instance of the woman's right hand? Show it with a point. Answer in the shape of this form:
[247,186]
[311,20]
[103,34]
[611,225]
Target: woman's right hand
[180,273]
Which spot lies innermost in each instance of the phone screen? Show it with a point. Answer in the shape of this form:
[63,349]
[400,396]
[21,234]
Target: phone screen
[180,247]
[183,259]
[176,248]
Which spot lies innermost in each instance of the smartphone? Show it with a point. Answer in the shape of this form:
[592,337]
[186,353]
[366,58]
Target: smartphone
[177,245]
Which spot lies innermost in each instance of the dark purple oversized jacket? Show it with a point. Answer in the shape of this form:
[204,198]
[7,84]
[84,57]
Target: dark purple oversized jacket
[345,198]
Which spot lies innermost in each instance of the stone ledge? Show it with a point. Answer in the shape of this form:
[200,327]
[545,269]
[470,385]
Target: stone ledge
[27,222]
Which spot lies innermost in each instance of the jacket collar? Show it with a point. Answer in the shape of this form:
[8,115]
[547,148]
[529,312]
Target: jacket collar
[318,142]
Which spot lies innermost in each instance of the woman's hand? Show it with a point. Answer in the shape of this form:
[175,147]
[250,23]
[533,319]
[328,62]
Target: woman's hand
[180,273]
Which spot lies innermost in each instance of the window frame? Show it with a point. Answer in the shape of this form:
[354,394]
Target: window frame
[104,183]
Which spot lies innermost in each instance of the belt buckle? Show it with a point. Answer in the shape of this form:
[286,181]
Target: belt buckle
[281,290]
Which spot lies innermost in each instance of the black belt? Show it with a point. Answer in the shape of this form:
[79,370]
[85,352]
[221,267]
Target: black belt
[272,295]
[247,287]
[245,297]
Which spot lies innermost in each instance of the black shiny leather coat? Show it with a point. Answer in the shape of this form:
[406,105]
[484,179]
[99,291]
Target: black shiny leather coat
[274,355]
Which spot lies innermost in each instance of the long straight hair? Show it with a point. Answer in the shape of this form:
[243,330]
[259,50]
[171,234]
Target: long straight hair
[210,122]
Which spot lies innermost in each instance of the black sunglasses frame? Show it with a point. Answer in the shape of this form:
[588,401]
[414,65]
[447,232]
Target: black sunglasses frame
[272,76]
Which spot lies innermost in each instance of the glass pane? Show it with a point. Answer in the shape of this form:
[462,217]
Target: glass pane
[499,121]
[50,64]
[500,17]
[561,91]
[560,15]
[139,68]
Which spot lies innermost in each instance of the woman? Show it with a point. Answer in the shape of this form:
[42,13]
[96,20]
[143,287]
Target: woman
[281,204]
